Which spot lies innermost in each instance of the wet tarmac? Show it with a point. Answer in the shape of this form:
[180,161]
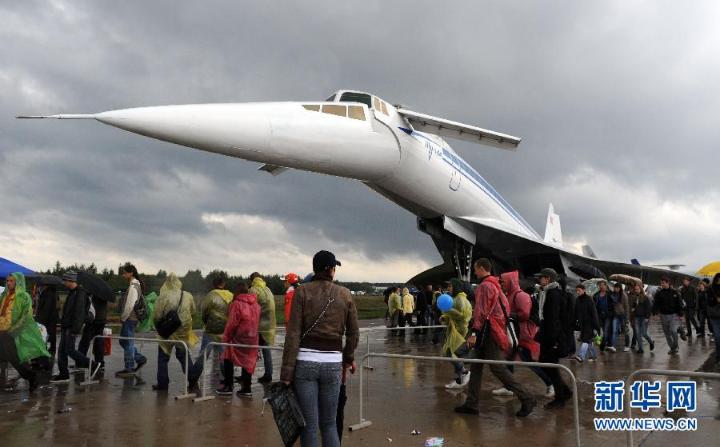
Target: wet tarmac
[400,396]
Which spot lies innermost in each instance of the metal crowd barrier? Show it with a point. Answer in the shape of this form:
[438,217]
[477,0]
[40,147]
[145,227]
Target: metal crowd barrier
[208,350]
[90,375]
[366,423]
[659,372]
[368,330]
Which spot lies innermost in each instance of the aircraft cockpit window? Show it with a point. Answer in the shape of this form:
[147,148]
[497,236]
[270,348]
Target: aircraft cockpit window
[376,103]
[335,109]
[312,107]
[356,112]
[384,109]
[356,97]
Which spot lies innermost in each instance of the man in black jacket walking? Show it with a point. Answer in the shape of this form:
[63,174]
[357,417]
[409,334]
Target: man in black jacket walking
[73,317]
[689,295]
[669,305]
[550,335]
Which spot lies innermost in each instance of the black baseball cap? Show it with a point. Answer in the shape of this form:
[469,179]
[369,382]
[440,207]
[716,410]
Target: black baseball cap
[324,260]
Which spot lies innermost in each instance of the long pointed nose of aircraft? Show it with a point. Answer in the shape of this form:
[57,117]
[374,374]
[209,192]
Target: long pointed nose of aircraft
[231,129]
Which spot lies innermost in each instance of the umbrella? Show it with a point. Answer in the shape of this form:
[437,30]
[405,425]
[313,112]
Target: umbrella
[626,279]
[8,267]
[46,280]
[710,270]
[95,286]
[586,271]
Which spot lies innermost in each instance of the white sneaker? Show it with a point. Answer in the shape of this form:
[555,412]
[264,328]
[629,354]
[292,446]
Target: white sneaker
[626,349]
[550,391]
[591,359]
[611,349]
[453,385]
[502,392]
[465,379]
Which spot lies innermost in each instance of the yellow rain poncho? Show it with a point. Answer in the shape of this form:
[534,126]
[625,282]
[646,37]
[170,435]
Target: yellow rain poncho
[168,300]
[214,312]
[394,303]
[266,300]
[456,319]
[28,340]
[408,302]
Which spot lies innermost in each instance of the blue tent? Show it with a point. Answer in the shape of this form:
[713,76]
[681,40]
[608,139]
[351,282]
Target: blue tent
[8,267]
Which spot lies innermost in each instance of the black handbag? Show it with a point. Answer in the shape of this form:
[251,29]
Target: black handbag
[287,413]
[170,322]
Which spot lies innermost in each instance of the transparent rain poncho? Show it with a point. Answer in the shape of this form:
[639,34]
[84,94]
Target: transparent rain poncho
[266,300]
[456,319]
[168,300]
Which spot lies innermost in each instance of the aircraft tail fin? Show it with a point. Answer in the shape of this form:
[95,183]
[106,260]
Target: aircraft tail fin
[634,261]
[553,232]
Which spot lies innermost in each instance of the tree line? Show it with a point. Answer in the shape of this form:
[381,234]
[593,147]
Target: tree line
[193,280]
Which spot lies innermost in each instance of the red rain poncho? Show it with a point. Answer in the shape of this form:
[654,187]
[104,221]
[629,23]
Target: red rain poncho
[242,328]
[521,306]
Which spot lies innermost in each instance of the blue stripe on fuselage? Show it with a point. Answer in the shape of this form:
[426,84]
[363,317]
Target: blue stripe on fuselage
[464,168]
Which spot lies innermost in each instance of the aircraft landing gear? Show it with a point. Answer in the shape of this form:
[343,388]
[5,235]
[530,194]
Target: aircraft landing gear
[462,258]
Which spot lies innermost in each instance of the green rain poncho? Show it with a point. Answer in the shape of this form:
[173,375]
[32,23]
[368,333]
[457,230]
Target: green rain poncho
[28,341]
[168,300]
[147,324]
[214,311]
[266,300]
[456,319]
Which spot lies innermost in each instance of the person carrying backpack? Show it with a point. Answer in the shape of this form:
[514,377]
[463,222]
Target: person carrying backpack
[133,359]
[489,340]
[521,309]
[173,304]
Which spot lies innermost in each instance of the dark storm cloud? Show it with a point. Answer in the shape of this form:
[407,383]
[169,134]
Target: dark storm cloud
[625,94]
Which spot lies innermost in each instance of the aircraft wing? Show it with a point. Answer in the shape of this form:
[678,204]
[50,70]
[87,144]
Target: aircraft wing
[460,131]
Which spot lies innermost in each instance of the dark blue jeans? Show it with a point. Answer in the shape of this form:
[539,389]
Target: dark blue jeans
[163,359]
[67,349]
[132,356]
[317,386]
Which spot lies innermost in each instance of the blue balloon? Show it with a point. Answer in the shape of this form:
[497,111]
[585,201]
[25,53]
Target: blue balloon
[444,302]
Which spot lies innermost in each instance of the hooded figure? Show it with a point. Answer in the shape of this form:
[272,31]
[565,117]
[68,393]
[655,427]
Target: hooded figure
[266,300]
[214,312]
[172,297]
[242,328]
[168,300]
[456,319]
[20,338]
[520,307]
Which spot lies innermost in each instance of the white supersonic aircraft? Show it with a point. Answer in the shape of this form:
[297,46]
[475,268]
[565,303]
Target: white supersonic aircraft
[359,136]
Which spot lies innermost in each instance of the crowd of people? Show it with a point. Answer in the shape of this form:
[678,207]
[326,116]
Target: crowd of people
[321,335]
[550,323]
[547,320]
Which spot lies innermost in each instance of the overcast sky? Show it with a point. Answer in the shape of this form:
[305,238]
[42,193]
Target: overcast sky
[617,104]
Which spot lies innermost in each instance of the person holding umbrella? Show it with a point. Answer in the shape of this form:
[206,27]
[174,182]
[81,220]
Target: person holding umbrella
[20,339]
